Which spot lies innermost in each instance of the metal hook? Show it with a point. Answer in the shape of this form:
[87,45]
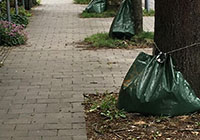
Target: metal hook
[161,57]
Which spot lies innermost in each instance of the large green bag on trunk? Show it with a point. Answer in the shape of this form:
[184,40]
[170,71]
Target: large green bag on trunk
[154,88]
[123,26]
[96,6]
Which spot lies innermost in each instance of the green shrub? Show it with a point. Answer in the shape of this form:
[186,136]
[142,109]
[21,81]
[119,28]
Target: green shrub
[17,19]
[12,34]
[20,20]
[22,12]
[2,8]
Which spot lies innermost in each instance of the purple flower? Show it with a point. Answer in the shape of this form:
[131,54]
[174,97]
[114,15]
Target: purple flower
[11,32]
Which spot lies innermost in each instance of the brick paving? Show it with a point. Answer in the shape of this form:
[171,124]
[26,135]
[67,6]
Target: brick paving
[42,83]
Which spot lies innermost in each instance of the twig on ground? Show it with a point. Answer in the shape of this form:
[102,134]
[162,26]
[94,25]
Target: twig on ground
[117,135]
[119,130]
[189,129]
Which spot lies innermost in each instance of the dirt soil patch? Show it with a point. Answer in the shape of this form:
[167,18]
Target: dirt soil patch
[89,46]
[138,127]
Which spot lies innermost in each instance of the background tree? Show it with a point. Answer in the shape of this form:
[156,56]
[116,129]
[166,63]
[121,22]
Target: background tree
[137,16]
[8,10]
[177,24]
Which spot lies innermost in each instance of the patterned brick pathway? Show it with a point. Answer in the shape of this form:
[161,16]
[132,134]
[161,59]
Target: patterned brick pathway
[41,83]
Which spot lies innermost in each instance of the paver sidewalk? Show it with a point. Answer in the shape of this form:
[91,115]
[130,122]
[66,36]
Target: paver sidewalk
[41,83]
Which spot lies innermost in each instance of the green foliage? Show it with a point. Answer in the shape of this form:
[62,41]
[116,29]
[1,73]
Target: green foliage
[197,124]
[107,107]
[145,35]
[82,1]
[100,40]
[108,13]
[143,38]
[148,13]
[17,19]
[20,20]
[38,2]
[22,12]
[2,7]
[11,34]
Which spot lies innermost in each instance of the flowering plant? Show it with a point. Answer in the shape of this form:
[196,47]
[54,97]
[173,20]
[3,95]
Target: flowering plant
[12,34]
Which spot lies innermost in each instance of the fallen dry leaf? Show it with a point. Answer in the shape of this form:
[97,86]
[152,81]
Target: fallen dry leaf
[183,118]
[195,133]
[140,123]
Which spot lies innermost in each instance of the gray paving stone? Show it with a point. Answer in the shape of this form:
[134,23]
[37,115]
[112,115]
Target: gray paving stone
[78,125]
[79,138]
[57,126]
[42,133]
[27,138]
[29,127]
[17,121]
[5,138]
[42,83]
[72,132]
[7,127]
[58,138]
[5,133]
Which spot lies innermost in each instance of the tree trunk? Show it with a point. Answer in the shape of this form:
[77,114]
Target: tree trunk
[137,16]
[177,24]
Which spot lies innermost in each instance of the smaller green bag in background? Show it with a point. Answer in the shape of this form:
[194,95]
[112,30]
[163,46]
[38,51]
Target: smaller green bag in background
[96,6]
[155,88]
[123,26]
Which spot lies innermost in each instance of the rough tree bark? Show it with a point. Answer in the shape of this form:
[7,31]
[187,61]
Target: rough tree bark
[137,16]
[177,24]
